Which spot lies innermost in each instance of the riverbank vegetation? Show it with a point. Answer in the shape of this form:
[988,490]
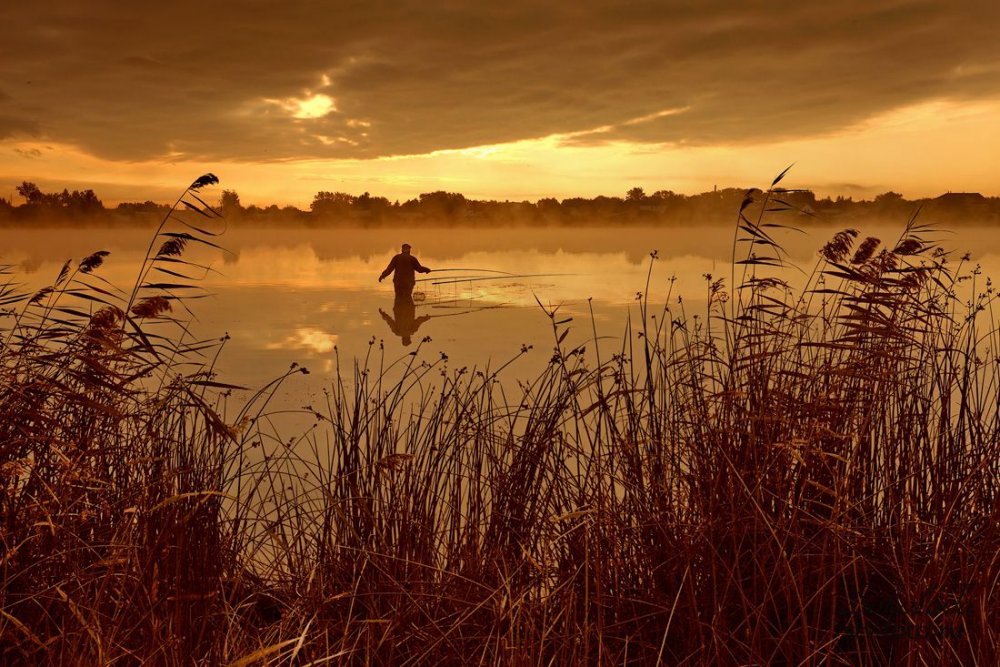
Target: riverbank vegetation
[451,209]
[801,475]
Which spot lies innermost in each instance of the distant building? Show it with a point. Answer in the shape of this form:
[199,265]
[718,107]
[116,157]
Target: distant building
[959,207]
[961,199]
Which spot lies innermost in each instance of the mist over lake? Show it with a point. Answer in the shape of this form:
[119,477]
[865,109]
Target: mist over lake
[306,295]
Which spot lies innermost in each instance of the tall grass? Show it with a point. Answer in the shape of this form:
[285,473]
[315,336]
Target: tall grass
[805,474]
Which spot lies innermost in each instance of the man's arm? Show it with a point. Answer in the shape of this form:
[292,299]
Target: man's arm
[420,267]
[388,269]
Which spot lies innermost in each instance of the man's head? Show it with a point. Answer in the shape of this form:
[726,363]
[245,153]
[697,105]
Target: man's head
[406,248]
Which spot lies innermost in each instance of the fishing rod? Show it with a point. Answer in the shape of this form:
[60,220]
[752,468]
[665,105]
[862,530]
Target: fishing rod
[500,273]
[469,270]
[525,275]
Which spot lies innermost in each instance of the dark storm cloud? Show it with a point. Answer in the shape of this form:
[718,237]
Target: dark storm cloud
[13,126]
[194,79]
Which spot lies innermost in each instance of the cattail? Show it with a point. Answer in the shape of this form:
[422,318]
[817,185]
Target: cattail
[836,249]
[203,180]
[40,294]
[152,306]
[172,248]
[103,329]
[92,261]
[883,262]
[64,272]
[908,246]
[106,318]
[865,250]
[394,461]
[914,279]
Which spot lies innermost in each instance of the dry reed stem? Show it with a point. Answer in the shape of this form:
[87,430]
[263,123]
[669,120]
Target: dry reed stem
[801,475]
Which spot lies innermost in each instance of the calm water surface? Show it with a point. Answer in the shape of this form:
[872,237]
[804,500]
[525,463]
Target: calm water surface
[307,295]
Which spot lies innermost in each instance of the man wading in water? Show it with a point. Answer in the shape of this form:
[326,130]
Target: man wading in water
[404,265]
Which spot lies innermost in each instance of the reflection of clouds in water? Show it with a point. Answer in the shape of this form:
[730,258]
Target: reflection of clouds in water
[307,338]
[30,265]
[334,307]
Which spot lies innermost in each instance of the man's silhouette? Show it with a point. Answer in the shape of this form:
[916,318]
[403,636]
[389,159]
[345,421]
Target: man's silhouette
[403,267]
[404,322]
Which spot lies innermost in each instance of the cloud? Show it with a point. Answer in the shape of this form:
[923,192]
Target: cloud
[29,153]
[12,126]
[264,80]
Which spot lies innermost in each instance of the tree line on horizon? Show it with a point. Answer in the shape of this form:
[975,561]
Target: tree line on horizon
[636,207]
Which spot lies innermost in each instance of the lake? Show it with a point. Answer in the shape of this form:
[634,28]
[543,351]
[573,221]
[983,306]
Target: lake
[308,296]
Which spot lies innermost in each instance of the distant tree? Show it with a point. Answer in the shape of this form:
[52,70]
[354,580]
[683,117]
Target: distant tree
[453,208]
[549,208]
[888,198]
[230,198]
[889,204]
[76,203]
[31,193]
[332,204]
[79,203]
[665,194]
[575,207]
[142,208]
[229,204]
[371,209]
[800,199]
[442,205]
[293,214]
[635,195]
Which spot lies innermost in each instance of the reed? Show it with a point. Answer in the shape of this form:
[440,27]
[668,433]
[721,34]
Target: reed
[805,474]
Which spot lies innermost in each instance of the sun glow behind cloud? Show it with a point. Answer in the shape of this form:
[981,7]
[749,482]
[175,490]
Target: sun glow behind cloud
[919,150]
[311,106]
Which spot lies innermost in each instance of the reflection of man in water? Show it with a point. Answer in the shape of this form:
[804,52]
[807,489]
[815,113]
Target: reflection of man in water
[403,266]
[404,322]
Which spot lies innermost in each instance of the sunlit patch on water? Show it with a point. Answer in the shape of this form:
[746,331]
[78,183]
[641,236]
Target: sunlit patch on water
[306,338]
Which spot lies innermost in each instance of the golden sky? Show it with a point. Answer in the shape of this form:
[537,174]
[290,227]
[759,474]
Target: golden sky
[507,100]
